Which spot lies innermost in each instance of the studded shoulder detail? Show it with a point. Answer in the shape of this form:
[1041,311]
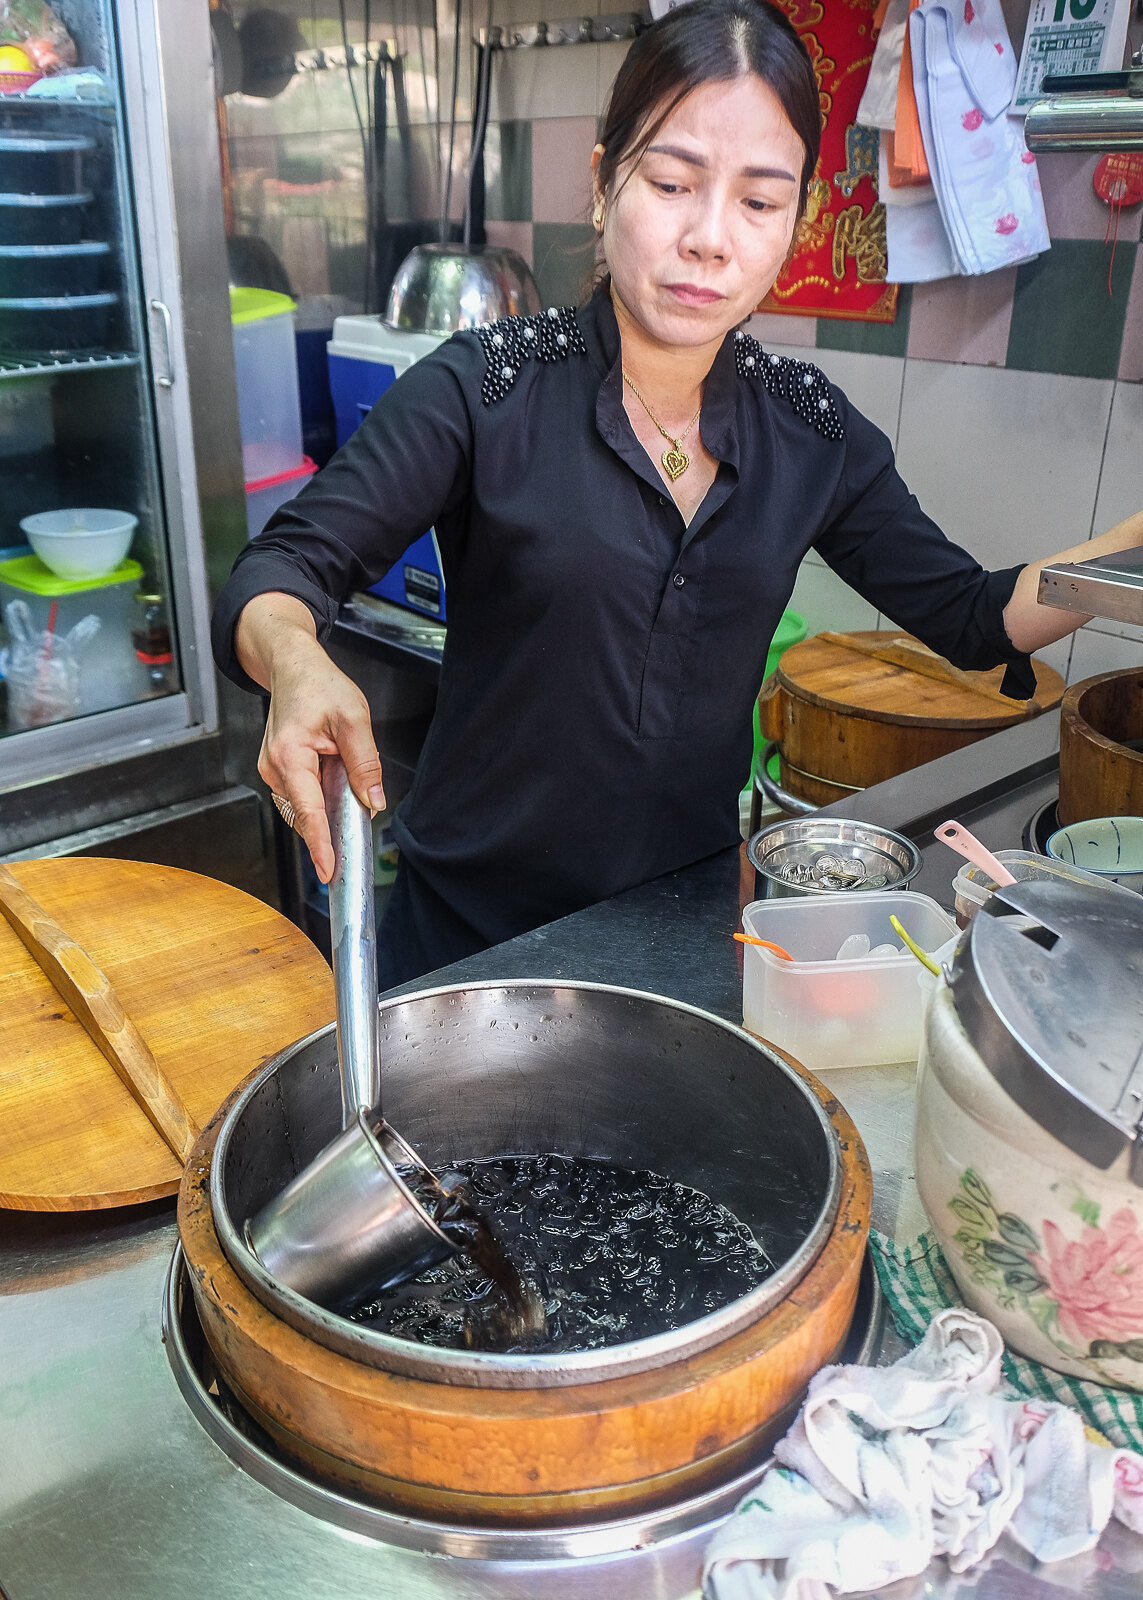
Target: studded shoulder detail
[550,335]
[800,383]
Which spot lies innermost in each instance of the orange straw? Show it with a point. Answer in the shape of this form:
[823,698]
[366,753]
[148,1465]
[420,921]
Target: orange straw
[748,938]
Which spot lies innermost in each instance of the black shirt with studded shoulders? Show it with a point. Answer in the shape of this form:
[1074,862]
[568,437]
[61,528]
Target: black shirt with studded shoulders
[593,723]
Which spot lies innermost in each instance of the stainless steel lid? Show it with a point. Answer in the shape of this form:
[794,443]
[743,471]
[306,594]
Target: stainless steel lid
[1048,984]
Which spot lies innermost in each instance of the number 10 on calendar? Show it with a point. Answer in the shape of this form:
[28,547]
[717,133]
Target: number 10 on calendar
[1065,38]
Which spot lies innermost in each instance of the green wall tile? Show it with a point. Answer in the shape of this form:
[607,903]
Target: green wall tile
[508,172]
[564,254]
[869,338]
[1062,317]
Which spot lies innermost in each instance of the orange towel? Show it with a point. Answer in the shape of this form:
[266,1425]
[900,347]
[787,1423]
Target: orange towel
[908,150]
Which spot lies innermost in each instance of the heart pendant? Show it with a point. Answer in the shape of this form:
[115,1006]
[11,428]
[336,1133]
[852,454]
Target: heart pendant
[675,462]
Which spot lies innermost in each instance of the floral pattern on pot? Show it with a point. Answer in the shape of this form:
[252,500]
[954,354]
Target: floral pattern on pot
[1085,1295]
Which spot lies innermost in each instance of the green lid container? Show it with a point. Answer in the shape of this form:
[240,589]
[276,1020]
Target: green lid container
[29,574]
[253,305]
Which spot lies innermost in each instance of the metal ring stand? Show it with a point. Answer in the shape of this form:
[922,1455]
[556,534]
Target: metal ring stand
[627,1536]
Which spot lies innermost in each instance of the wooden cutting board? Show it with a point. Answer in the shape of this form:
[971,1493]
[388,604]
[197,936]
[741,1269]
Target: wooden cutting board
[216,982]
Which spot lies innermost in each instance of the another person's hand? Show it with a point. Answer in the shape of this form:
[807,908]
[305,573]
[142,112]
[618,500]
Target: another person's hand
[1031,625]
[315,711]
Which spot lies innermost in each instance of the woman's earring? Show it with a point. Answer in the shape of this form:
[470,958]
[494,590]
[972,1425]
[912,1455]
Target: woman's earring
[597,216]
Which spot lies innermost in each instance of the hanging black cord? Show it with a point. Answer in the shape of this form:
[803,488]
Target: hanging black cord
[367,162]
[475,194]
[446,187]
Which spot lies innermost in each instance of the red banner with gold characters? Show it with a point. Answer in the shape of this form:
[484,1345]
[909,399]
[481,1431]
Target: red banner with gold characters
[839,261]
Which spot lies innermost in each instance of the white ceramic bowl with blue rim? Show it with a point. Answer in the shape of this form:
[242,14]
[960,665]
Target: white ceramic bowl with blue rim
[1111,847]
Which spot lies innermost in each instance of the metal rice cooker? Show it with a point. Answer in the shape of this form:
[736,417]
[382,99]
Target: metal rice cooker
[1028,1152]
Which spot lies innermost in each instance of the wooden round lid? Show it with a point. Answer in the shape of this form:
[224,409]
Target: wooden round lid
[215,981]
[892,677]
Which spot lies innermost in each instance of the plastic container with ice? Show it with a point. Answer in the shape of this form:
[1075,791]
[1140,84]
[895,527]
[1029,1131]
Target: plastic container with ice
[839,1013]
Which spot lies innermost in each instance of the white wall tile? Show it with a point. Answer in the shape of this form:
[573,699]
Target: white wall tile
[826,602]
[775,331]
[516,236]
[1058,655]
[556,81]
[1006,462]
[1122,630]
[872,383]
[1096,651]
[608,60]
[1121,482]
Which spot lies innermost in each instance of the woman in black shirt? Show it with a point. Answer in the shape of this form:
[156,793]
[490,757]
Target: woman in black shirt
[622,495]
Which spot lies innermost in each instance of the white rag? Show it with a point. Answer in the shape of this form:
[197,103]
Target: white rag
[915,237]
[887,1467]
[984,176]
[878,108]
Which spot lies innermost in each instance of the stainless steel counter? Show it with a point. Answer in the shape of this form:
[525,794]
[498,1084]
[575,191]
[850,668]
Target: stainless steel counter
[1108,586]
[110,1489]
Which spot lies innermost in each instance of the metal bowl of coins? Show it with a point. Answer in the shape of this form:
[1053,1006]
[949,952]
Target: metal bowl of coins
[689,1207]
[829,855]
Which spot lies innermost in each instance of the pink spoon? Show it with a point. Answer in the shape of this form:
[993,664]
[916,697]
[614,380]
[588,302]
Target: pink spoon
[969,846]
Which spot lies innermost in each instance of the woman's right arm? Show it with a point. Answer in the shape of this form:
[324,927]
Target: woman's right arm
[407,468]
[315,710]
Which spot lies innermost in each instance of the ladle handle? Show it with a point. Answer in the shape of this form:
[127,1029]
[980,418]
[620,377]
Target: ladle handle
[969,846]
[353,937]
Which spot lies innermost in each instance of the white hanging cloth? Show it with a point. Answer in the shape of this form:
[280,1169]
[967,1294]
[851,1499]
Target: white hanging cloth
[918,246]
[985,178]
[878,108]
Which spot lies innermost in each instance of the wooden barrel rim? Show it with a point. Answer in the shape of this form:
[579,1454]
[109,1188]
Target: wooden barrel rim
[1072,716]
[1047,694]
[497,1446]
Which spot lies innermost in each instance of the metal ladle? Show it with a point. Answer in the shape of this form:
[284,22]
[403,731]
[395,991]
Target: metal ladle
[353,938]
[349,1224]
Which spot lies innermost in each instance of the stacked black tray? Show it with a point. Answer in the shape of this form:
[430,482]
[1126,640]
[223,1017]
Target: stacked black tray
[53,299]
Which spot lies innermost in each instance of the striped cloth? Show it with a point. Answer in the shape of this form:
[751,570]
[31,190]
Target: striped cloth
[916,1282]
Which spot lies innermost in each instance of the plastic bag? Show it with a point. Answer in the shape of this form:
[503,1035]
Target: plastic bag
[42,669]
[39,33]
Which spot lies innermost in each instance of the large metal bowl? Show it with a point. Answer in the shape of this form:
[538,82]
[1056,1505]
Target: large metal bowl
[529,1067]
[442,288]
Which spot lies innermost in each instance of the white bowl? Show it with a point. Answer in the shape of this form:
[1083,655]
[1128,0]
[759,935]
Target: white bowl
[1110,847]
[82,543]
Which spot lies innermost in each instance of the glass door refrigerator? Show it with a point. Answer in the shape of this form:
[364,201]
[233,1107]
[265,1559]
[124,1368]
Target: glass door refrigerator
[121,499]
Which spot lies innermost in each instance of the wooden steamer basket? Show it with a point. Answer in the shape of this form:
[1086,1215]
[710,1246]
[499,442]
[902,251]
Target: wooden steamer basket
[587,1070]
[848,710]
[1101,774]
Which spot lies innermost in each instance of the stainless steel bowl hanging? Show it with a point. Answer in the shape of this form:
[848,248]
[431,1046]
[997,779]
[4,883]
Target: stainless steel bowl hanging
[446,287]
[443,288]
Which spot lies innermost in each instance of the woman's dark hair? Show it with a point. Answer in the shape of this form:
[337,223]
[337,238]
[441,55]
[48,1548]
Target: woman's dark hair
[708,41]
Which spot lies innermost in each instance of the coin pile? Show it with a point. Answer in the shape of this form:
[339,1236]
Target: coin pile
[828,871]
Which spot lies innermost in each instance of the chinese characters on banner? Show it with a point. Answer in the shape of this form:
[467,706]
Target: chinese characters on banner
[838,265]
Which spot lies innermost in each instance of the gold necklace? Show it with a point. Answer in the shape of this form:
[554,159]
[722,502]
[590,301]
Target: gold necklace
[675,460]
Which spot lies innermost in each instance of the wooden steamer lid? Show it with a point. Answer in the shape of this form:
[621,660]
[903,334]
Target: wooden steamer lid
[216,981]
[849,710]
